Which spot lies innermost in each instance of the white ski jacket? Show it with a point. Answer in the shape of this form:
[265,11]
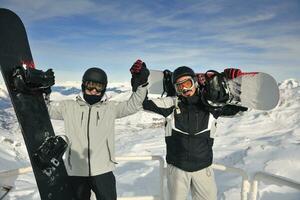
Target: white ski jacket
[91,131]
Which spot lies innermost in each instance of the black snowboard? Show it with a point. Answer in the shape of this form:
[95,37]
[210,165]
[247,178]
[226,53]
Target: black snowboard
[30,108]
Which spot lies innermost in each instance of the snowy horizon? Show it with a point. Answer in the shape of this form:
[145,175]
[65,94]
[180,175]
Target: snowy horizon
[254,141]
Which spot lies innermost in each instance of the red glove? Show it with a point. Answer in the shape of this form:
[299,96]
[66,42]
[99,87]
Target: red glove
[231,73]
[136,67]
[140,74]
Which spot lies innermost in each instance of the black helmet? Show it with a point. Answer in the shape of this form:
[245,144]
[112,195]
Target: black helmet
[96,75]
[182,71]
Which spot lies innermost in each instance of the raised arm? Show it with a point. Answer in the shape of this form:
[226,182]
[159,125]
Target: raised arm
[139,81]
[41,81]
[226,110]
[161,106]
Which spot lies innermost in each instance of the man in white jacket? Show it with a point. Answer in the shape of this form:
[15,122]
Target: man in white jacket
[89,124]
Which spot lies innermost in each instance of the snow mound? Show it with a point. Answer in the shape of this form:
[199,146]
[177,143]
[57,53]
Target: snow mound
[289,84]
[289,95]
[4,98]
[3,92]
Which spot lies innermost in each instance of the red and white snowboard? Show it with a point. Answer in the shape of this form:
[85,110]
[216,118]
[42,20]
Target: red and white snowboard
[256,90]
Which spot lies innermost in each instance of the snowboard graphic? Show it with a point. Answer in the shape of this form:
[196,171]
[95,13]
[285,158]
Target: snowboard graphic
[255,90]
[44,148]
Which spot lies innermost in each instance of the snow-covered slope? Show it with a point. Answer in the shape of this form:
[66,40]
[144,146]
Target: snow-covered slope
[263,141]
[253,141]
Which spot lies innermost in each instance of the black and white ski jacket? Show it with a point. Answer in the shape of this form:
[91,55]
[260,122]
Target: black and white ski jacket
[189,127]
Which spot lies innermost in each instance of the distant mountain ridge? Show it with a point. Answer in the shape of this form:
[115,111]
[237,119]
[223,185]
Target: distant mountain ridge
[63,90]
[73,88]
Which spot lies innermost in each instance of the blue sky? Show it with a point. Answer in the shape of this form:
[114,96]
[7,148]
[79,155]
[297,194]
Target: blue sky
[73,35]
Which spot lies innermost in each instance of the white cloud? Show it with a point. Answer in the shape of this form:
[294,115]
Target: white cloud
[204,33]
[33,10]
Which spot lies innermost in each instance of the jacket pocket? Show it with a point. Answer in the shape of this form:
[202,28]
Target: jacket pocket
[111,156]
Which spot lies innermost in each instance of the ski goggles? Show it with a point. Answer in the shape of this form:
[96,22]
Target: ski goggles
[184,85]
[90,86]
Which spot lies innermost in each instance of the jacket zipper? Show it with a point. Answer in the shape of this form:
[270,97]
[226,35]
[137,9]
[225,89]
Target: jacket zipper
[88,138]
[189,136]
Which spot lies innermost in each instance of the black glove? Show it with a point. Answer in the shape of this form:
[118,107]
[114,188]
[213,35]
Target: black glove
[215,89]
[39,78]
[229,110]
[231,73]
[140,75]
[167,83]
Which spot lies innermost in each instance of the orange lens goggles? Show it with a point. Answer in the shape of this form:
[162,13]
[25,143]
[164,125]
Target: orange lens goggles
[99,87]
[184,85]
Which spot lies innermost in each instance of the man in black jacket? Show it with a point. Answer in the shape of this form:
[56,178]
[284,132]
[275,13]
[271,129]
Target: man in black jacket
[190,125]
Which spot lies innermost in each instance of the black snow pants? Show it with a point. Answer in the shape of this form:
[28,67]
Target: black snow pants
[104,186]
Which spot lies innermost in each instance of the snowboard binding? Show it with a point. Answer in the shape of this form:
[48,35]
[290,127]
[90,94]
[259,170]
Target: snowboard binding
[215,88]
[31,81]
[218,90]
[47,156]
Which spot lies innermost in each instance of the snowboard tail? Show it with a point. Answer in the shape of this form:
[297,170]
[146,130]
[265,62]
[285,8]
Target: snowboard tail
[30,108]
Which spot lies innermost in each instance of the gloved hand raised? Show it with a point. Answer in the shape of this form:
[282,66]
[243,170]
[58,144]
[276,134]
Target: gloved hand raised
[140,74]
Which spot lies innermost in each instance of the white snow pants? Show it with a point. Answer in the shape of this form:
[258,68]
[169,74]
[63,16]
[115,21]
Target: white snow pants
[201,183]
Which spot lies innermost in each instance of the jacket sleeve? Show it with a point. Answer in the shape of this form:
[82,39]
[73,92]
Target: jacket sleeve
[55,109]
[227,111]
[133,105]
[161,106]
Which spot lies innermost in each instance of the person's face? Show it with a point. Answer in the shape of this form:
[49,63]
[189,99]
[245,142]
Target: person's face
[186,85]
[92,88]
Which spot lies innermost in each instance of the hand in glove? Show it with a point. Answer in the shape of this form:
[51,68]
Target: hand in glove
[230,110]
[140,74]
[231,73]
